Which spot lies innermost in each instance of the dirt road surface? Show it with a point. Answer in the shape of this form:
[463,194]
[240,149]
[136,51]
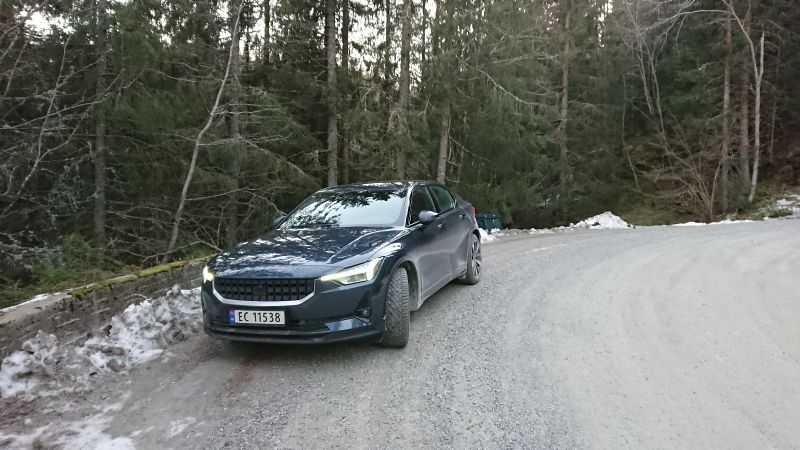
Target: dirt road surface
[662,337]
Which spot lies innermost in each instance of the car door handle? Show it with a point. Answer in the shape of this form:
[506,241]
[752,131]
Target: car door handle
[442,226]
[462,215]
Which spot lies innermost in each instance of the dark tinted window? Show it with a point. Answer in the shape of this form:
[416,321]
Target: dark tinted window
[444,201]
[420,201]
[349,209]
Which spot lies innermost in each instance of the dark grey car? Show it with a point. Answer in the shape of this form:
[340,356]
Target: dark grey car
[349,263]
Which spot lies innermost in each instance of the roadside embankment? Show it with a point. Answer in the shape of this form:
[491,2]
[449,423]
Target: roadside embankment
[76,313]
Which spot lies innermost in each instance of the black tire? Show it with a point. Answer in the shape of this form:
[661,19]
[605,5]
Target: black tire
[474,262]
[397,316]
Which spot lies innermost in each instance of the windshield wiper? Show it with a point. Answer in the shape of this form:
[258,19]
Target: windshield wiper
[314,225]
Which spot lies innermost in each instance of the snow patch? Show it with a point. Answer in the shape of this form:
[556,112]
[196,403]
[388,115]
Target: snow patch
[23,370]
[702,224]
[788,206]
[90,433]
[36,299]
[604,221]
[177,427]
[85,433]
[486,236]
[143,331]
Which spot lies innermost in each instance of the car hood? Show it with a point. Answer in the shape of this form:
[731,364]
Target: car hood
[303,252]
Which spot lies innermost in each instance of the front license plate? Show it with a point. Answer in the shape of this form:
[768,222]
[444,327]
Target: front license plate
[237,316]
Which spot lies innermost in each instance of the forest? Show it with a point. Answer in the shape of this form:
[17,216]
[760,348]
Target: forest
[136,132]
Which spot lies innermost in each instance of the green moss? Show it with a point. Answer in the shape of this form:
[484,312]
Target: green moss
[150,271]
[83,290]
[161,268]
[122,279]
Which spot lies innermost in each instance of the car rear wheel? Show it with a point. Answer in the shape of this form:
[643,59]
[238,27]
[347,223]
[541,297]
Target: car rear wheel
[474,262]
[398,314]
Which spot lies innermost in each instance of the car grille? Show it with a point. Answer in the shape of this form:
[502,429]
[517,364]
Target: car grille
[261,290]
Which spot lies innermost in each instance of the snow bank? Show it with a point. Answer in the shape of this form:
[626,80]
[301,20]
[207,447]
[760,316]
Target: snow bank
[23,370]
[37,299]
[702,224]
[138,334]
[143,331]
[604,221]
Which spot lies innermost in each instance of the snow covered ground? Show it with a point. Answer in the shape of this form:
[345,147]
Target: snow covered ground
[55,376]
[604,221]
[702,224]
[140,333]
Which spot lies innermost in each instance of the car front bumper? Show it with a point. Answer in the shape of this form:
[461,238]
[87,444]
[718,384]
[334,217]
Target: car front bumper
[331,314]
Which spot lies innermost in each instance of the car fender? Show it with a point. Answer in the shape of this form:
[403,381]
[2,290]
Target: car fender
[396,256]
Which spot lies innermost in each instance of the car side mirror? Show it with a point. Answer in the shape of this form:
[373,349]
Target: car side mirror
[278,220]
[427,217]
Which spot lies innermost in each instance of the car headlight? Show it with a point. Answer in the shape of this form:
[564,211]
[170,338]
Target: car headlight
[208,275]
[355,274]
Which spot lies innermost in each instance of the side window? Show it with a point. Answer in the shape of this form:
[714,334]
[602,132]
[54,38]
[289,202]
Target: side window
[444,201]
[420,201]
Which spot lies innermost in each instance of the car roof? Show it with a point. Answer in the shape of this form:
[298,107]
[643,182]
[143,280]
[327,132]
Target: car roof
[379,186]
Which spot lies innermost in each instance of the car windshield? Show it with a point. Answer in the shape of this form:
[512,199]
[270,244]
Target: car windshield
[349,209]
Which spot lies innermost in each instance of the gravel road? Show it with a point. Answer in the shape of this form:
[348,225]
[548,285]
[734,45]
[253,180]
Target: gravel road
[662,337]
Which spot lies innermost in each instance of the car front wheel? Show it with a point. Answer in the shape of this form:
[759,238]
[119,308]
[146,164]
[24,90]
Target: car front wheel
[398,314]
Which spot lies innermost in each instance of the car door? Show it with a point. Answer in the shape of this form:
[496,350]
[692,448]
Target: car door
[454,224]
[433,264]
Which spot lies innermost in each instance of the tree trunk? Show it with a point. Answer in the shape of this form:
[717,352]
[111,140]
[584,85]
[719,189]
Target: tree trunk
[346,36]
[234,158]
[744,118]
[267,16]
[757,122]
[387,47]
[774,111]
[564,108]
[436,31]
[773,118]
[198,142]
[346,71]
[424,48]
[405,82]
[100,180]
[726,136]
[744,129]
[333,134]
[246,52]
[444,145]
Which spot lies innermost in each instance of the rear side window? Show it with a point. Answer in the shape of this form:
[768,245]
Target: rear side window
[420,201]
[444,201]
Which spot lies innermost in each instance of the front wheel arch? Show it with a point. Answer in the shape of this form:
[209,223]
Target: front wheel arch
[413,283]
[473,275]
